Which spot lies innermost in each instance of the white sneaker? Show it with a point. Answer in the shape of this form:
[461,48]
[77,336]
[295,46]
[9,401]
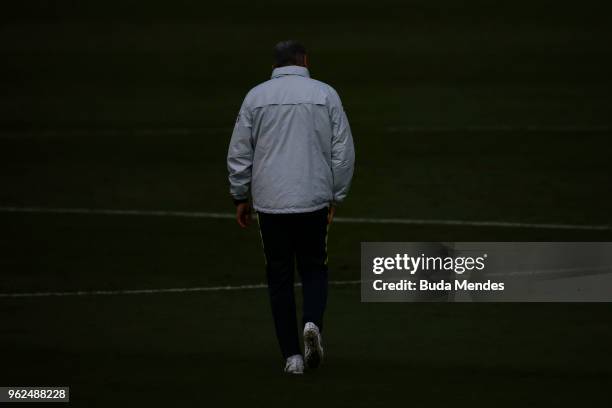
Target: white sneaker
[313,345]
[295,365]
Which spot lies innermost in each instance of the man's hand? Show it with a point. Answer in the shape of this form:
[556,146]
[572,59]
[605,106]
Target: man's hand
[330,214]
[243,214]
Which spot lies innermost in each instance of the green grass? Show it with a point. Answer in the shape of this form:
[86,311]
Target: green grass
[217,349]
[130,106]
[548,177]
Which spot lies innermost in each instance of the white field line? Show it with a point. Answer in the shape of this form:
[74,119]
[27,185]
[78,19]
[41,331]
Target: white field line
[385,128]
[554,273]
[499,128]
[350,220]
[540,274]
[155,291]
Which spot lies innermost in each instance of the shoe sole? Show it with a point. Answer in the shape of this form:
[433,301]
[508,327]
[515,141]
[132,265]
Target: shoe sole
[311,340]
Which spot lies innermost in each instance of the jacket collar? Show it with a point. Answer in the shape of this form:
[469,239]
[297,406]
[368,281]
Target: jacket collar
[290,70]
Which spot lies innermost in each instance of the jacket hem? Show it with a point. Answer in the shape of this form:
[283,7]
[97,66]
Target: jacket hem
[290,210]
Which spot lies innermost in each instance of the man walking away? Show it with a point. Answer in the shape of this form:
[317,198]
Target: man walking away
[292,152]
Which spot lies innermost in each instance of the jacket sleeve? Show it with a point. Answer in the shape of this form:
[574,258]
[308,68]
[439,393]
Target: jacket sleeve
[342,151]
[240,155]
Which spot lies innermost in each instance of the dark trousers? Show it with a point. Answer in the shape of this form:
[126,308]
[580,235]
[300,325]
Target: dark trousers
[290,239]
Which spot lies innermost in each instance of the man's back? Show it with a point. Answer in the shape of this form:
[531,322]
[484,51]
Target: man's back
[293,143]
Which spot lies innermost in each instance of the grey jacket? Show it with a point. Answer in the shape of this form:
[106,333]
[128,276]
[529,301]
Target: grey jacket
[292,145]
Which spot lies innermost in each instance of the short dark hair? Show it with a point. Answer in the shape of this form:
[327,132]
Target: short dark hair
[289,52]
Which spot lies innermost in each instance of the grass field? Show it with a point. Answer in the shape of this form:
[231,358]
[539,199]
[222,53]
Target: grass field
[470,111]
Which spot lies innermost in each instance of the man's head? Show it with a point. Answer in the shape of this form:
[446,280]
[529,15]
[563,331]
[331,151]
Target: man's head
[290,53]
